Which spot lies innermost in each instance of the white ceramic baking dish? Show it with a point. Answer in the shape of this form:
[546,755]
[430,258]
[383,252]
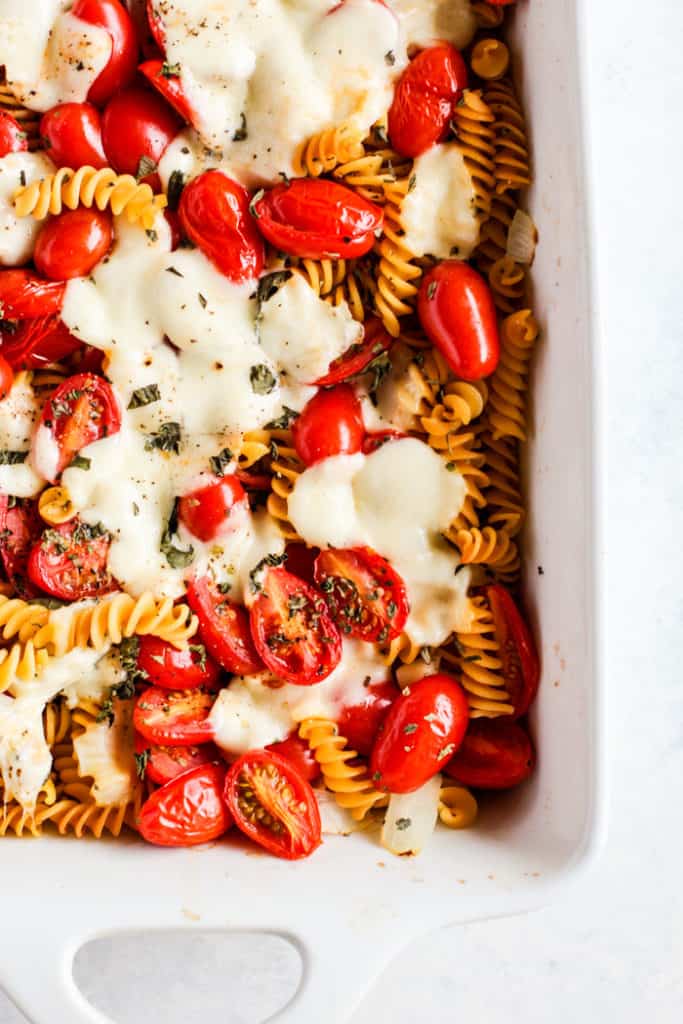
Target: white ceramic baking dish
[352,906]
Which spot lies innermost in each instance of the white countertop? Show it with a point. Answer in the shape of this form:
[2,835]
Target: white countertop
[614,948]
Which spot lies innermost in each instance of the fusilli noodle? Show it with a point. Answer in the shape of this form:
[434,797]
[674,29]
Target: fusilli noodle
[343,774]
[457,807]
[487,546]
[475,659]
[490,59]
[21,661]
[324,151]
[21,620]
[488,15]
[397,272]
[508,284]
[335,281]
[55,505]
[506,412]
[473,126]
[28,120]
[504,506]
[89,187]
[285,466]
[512,147]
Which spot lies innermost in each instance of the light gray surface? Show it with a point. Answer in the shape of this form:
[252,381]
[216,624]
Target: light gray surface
[614,948]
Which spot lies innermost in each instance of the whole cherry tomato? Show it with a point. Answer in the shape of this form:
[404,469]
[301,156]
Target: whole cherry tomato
[458,314]
[12,137]
[174,718]
[73,243]
[188,810]
[70,562]
[72,135]
[366,597]
[120,70]
[24,295]
[521,669]
[423,728]
[214,510]
[172,669]
[137,123]
[424,99]
[6,378]
[32,343]
[223,627]
[162,764]
[360,723]
[20,528]
[169,86]
[375,341]
[299,754]
[330,424]
[495,754]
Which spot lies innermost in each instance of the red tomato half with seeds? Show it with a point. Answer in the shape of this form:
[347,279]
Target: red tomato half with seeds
[521,667]
[223,627]
[299,754]
[72,135]
[162,764]
[376,340]
[6,378]
[174,718]
[120,69]
[330,424]
[20,528]
[495,754]
[172,669]
[137,123]
[169,86]
[28,344]
[187,811]
[423,728]
[293,630]
[12,137]
[360,723]
[366,597]
[73,243]
[315,218]
[273,805]
[70,562]
[214,510]
[24,295]
[424,99]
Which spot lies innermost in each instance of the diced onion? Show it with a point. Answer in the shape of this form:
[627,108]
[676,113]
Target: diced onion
[411,818]
[522,238]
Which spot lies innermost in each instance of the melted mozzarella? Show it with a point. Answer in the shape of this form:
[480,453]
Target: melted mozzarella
[439,214]
[18,415]
[104,751]
[18,234]
[424,22]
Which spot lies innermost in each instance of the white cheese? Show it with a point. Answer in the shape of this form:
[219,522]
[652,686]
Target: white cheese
[18,415]
[424,22]
[105,752]
[439,214]
[18,234]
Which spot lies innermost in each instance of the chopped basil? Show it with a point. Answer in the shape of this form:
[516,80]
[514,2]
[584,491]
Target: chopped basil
[141,760]
[80,462]
[262,379]
[202,300]
[177,558]
[176,184]
[167,439]
[403,823]
[10,458]
[241,133]
[85,532]
[257,573]
[270,284]
[282,422]
[146,166]
[219,462]
[412,182]
[224,588]
[256,198]
[410,728]
[172,270]
[144,396]
[390,58]
[152,235]
[169,70]
[200,651]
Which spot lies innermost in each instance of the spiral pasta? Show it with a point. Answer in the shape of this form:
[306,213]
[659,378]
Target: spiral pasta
[28,120]
[55,505]
[20,619]
[21,661]
[343,774]
[462,450]
[461,402]
[286,467]
[488,15]
[56,722]
[487,546]
[457,807]
[325,150]
[475,658]
[397,273]
[377,167]
[255,444]
[512,170]
[402,648]
[508,284]
[490,59]
[507,413]
[494,232]
[335,281]
[413,384]
[475,138]
[504,506]
[70,817]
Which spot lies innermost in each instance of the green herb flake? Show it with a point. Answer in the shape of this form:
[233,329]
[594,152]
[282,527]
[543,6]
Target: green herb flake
[176,184]
[172,270]
[202,300]
[403,823]
[144,396]
[141,760]
[167,439]
[390,58]
[258,572]
[431,289]
[410,728]
[283,421]
[241,133]
[11,458]
[80,462]
[220,462]
[169,70]
[262,379]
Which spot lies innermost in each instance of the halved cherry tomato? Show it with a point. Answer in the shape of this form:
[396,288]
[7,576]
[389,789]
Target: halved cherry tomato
[293,630]
[120,70]
[162,764]
[521,669]
[366,597]
[502,3]
[81,410]
[72,135]
[330,424]
[263,781]
[215,509]
[87,359]
[424,99]
[174,718]
[423,728]
[301,560]
[169,86]
[188,810]
[360,723]
[315,218]
[376,438]
[34,342]
[73,243]
[137,123]
[12,137]
[156,26]
[20,528]
[6,378]
[458,314]
[70,562]
[23,295]
[299,754]
[214,214]
[223,627]
[172,669]
[375,341]
[495,754]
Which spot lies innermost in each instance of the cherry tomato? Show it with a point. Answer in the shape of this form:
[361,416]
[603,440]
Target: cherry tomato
[495,754]
[20,528]
[376,438]
[88,360]
[12,137]
[366,597]
[120,70]
[169,86]
[330,424]
[73,243]
[172,669]
[215,509]
[375,341]
[23,295]
[423,728]
[293,630]
[32,343]
[156,26]
[360,723]
[6,378]
[315,218]
[263,781]
[214,214]
[223,627]
[458,314]
[501,3]
[81,410]
[253,481]
[301,561]
[70,562]
[174,718]
[424,99]
[521,668]
[161,764]
[188,810]
[137,123]
[300,756]
[72,135]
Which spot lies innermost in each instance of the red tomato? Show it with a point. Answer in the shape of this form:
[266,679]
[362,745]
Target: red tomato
[32,343]
[521,668]
[172,669]
[458,314]
[120,70]
[366,597]
[161,764]
[156,26]
[12,137]
[137,123]
[169,86]
[316,218]
[215,509]
[73,243]
[495,754]
[70,562]
[214,214]
[301,561]
[72,135]
[174,718]
[300,756]
[330,424]
[6,378]
[375,341]
[188,810]
[24,295]
[81,410]
[360,723]
[88,360]
[423,728]
[424,99]
[501,3]
[376,438]
[253,481]
[223,628]
[262,781]
[292,629]
[20,528]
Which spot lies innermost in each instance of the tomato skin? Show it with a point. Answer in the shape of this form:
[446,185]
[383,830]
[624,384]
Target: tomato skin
[187,811]
[456,309]
[301,561]
[168,86]
[521,666]
[119,72]
[223,628]
[40,340]
[81,410]
[424,99]
[360,723]
[265,775]
[24,295]
[214,214]
[366,597]
[375,341]
[331,423]
[423,728]
[72,134]
[315,218]
[376,438]
[496,753]
[208,511]
[6,378]
[20,528]
[12,138]
[71,564]
[166,763]
[156,26]
[136,123]
[73,243]
[173,669]
[300,756]
[174,718]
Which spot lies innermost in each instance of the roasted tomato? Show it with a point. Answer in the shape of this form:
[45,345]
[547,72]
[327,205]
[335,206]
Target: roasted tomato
[70,562]
[423,728]
[213,510]
[12,137]
[223,627]
[27,344]
[73,243]
[375,341]
[458,314]
[316,218]
[188,810]
[161,764]
[521,668]
[174,718]
[137,124]
[424,100]
[376,438]
[301,561]
[330,424]
[273,805]
[292,628]
[495,754]
[360,723]
[120,70]
[20,528]
[366,597]
[156,26]
[169,86]
[172,669]
[6,378]
[24,295]
[300,756]
[72,135]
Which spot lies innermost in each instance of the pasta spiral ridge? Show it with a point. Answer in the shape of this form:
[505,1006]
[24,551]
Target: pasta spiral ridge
[335,281]
[28,120]
[507,280]
[56,722]
[55,505]
[461,402]
[286,467]
[494,232]
[507,413]
[21,661]
[325,150]
[414,382]
[505,509]
[350,782]
[462,450]
[70,817]
[472,124]
[20,619]
[402,648]
[475,658]
[487,546]
[457,807]
[512,165]
[254,445]
[397,272]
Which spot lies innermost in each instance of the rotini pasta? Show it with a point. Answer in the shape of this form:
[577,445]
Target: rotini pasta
[397,272]
[475,657]
[504,507]
[336,281]
[285,466]
[508,284]
[494,232]
[28,120]
[70,817]
[21,661]
[342,773]
[457,807]
[402,648]
[490,59]
[488,15]
[89,187]
[506,413]
[325,150]
[475,138]
[512,169]
[487,546]
[21,620]
[55,505]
